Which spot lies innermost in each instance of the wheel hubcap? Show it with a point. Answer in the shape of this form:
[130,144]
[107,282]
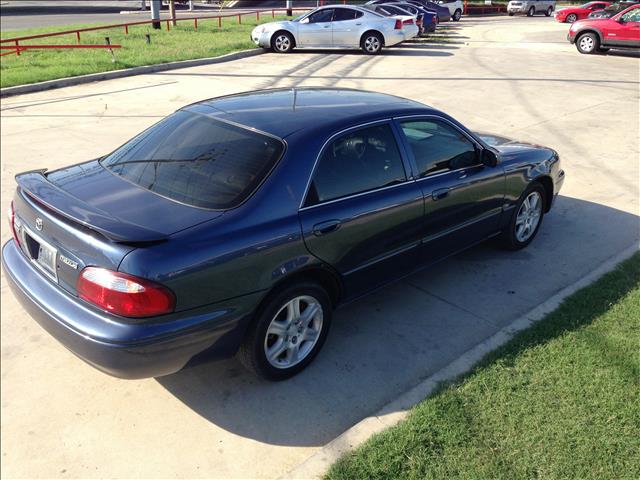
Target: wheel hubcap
[528,216]
[571,18]
[283,43]
[372,44]
[586,44]
[293,332]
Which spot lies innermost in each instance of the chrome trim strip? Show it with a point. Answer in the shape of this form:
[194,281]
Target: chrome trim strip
[301,207]
[335,200]
[430,238]
[387,256]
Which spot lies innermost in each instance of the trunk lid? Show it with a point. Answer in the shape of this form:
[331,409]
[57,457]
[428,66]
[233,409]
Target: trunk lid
[84,215]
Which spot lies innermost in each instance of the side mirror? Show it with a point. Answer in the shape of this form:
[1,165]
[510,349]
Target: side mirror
[489,158]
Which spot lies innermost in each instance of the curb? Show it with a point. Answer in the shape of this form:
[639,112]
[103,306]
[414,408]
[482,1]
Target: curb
[397,410]
[127,72]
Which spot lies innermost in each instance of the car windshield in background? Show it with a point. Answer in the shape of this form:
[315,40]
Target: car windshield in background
[193,159]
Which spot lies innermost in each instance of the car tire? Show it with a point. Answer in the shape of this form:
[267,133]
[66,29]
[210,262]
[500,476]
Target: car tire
[511,14]
[588,43]
[572,17]
[549,11]
[282,42]
[371,43]
[515,236]
[276,328]
[457,15]
[531,12]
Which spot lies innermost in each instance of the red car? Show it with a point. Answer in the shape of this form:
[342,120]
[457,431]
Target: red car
[572,14]
[600,34]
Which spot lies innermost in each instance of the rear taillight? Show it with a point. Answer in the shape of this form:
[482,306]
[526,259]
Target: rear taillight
[398,25]
[12,223]
[123,294]
[408,22]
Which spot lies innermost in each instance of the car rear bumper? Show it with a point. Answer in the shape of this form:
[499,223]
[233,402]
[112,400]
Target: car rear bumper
[394,37]
[122,349]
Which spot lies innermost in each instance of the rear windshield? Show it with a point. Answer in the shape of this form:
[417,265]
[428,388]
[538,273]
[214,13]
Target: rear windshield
[197,160]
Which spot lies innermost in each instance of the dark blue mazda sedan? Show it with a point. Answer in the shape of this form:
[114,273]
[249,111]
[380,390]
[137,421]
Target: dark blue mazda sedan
[238,224]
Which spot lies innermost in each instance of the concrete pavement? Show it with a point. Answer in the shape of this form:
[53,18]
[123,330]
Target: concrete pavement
[512,76]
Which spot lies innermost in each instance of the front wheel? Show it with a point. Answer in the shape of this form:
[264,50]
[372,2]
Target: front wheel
[588,43]
[288,332]
[572,17]
[526,219]
[371,43]
[531,12]
[549,11]
[511,14]
[282,42]
[457,15]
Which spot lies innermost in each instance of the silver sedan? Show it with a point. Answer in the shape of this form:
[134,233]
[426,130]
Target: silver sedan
[335,26]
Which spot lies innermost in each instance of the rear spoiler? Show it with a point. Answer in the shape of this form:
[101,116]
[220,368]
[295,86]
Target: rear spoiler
[36,185]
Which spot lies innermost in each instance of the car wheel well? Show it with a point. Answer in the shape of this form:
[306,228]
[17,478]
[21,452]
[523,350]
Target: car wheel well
[547,184]
[589,30]
[277,32]
[321,275]
[372,31]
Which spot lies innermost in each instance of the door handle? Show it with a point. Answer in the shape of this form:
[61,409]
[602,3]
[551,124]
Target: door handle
[463,174]
[358,24]
[326,26]
[323,228]
[440,193]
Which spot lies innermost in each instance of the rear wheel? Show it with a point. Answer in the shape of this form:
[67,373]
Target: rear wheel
[572,17]
[549,11]
[531,12]
[457,15]
[371,43]
[282,42]
[288,332]
[526,219]
[588,43]
[511,14]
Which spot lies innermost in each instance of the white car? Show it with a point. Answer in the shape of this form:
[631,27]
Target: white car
[456,7]
[335,27]
[531,7]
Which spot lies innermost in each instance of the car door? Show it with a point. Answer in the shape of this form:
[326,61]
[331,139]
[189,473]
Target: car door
[315,30]
[362,213]
[346,26]
[625,31]
[463,197]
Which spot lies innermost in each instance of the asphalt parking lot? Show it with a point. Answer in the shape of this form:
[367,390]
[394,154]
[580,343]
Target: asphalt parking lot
[516,77]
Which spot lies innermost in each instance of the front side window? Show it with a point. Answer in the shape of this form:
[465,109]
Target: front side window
[438,147]
[321,16]
[356,162]
[632,16]
[193,159]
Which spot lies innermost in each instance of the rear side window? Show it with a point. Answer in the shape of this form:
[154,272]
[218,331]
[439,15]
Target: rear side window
[357,162]
[341,14]
[196,160]
[438,147]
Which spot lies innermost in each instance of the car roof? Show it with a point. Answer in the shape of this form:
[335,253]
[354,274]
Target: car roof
[281,112]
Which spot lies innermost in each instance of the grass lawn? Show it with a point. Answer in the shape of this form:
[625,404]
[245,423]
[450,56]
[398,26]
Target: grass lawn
[181,43]
[560,401]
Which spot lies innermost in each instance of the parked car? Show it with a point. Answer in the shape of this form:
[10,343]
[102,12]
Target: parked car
[393,10]
[442,12]
[573,14]
[456,7]
[239,223]
[332,27]
[612,9]
[600,34]
[531,7]
[430,18]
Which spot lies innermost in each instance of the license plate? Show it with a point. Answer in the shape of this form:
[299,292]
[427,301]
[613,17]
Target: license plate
[40,252]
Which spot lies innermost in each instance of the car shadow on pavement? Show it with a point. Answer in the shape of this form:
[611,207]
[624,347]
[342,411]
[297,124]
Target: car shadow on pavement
[383,344]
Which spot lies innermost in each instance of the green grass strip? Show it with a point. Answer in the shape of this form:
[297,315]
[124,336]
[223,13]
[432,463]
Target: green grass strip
[559,401]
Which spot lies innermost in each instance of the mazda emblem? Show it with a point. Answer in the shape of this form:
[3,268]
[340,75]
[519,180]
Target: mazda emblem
[38,224]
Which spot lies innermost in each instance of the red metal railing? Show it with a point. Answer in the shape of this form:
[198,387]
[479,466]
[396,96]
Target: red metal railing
[20,48]
[168,21]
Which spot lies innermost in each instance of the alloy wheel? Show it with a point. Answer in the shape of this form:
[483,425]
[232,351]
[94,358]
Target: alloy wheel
[372,44]
[282,43]
[528,216]
[587,44]
[293,332]
[572,18]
